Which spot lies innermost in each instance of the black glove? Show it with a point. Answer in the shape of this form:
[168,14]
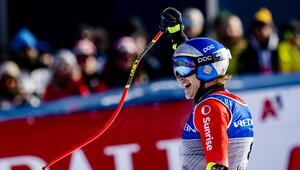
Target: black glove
[171,23]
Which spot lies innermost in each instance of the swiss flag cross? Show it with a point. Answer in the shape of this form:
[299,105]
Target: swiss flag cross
[268,110]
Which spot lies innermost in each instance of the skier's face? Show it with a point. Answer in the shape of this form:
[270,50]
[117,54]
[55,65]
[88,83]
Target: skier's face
[190,85]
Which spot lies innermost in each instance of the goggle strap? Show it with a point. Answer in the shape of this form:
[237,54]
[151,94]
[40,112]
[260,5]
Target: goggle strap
[212,58]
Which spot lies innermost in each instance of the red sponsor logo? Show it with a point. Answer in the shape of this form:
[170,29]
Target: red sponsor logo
[205,110]
[268,110]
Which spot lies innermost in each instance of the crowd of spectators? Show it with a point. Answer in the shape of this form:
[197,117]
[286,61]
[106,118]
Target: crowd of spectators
[32,73]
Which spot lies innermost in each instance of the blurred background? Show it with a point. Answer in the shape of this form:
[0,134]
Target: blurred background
[63,66]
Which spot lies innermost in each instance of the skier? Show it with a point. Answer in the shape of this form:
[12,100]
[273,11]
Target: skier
[218,134]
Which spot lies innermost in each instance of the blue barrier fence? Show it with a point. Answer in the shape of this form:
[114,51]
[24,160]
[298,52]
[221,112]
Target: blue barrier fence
[157,91]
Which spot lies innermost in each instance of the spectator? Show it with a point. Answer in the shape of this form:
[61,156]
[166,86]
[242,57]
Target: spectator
[101,40]
[85,52]
[10,94]
[41,76]
[24,46]
[289,47]
[193,22]
[66,78]
[229,31]
[261,56]
[123,55]
[141,40]
[45,54]
[26,55]
[151,63]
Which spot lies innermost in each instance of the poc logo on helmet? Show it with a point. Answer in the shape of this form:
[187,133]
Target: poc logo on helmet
[208,48]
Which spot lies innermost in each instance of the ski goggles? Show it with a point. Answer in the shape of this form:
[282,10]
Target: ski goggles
[183,66]
[186,66]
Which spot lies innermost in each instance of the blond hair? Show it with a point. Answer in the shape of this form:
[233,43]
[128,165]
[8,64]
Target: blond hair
[222,80]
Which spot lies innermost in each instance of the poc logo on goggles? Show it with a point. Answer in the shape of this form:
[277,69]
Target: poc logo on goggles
[208,48]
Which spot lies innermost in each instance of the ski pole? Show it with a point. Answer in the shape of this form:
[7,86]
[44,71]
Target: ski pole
[117,111]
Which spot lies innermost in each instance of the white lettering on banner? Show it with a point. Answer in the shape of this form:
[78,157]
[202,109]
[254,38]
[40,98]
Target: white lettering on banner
[32,162]
[188,128]
[79,161]
[243,123]
[208,137]
[122,155]
[208,48]
[172,148]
